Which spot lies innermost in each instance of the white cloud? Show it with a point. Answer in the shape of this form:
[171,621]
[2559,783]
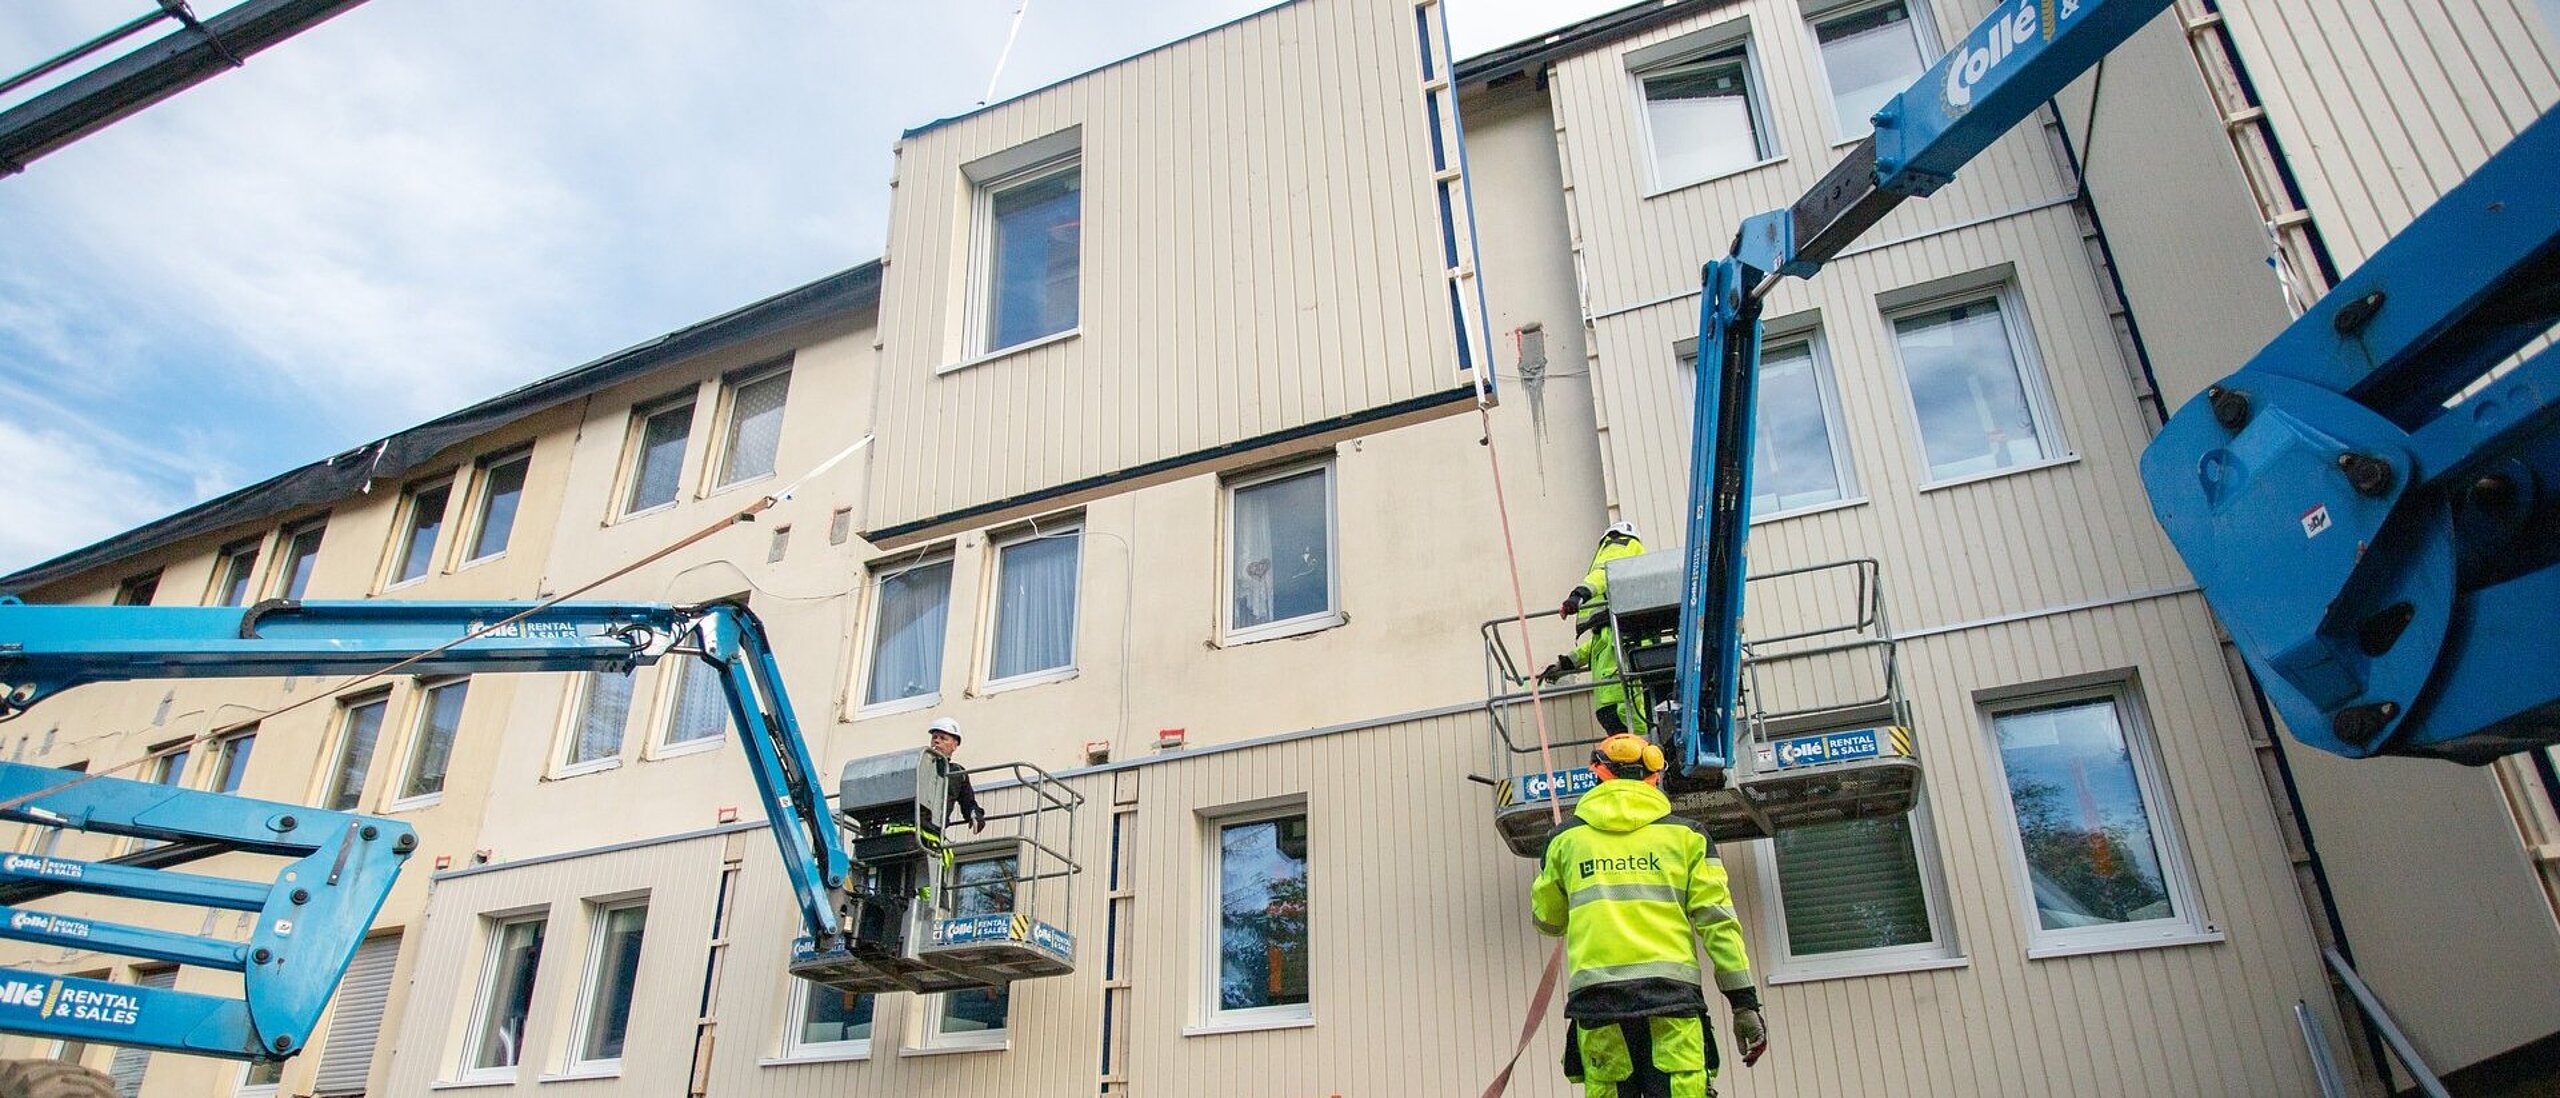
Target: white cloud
[63,492]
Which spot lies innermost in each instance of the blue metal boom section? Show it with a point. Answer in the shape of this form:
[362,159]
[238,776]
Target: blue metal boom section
[2387,563]
[2008,65]
[311,919]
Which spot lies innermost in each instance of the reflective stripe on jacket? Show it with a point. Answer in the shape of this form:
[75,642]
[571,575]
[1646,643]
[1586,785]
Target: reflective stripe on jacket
[1631,888]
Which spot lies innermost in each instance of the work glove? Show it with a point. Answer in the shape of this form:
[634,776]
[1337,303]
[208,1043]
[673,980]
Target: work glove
[1573,602]
[977,821]
[1750,1035]
[1555,672]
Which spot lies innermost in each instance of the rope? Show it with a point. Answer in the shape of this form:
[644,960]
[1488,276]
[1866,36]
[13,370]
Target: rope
[746,514]
[1546,993]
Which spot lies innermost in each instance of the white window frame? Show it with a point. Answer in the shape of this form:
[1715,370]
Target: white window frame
[1942,950]
[280,565]
[404,527]
[1332,615]
[481,497]
[493,929]
[573,715]
[339,738]
[421,711]
[994,601]
[724,452]
[669,693]
[2189,925]
[1210,1018]
[242,1088]
[600,912]
[1691,49]
[795,1017]
[2042,405]
[863,706]
[225,560]
[221,758]
[635,452]
[1924,29]
[1052,156]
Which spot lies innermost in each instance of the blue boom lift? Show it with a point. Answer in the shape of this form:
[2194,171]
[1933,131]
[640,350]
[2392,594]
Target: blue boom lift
[2371,504]
[859,934]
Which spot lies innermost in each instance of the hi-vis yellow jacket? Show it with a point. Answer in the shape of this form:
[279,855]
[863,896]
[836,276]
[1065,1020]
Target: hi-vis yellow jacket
[1597,650]
[1631,888]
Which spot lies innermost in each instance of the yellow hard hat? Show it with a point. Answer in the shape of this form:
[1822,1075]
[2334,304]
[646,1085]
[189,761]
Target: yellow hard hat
[1624,751]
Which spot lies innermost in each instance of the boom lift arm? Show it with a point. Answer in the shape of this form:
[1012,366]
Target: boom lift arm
[311,921]
[2019,56]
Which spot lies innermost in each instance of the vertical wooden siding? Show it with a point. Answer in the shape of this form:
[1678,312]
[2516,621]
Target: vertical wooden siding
[2382,105]
[1260,251]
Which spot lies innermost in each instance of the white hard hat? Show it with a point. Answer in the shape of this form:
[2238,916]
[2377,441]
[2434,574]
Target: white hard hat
[943,726]
[1625,530]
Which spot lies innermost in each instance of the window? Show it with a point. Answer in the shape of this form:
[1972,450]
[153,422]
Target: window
[1859,897]
[826,1023]
[258,1080]
[1703,115]
[1280,554]
[699,710]
[359,726]
[1870,52]
[1036,575]
[1261,971]
[977,1015]
[48,840]
[1975,389]
[231,761]
[2102,870]
[1030,249]
[130,1063]
[301,551]
[169,770]
[613,968]
[431,748]
[1800,459]
[235,570]
[426,520]
[501,488]
[603,709]
[658,437]
[495,1044]
[753,437]
[907,625]
[138,590]
[355,1019]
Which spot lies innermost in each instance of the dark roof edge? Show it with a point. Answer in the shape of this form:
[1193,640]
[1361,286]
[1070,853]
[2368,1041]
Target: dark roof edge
[389,457]
[1599,30]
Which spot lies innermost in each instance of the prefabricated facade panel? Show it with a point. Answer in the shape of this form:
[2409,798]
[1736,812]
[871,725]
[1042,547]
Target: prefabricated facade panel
[680,883]
[2382,105]
[1644,238]
[2004,542]
[1261,250]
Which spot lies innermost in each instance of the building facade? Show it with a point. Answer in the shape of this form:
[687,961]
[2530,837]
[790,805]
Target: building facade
[1179,487]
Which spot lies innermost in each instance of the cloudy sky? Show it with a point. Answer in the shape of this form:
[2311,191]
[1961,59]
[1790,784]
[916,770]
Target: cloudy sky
[422,203]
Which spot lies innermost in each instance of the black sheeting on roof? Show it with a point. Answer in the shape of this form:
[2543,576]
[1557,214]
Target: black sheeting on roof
[1599,30]
[386,459]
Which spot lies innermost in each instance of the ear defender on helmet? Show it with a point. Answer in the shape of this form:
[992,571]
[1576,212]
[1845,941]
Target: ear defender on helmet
[1627,755]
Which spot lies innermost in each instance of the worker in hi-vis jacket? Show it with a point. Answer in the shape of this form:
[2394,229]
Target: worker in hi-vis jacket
[1621,706]
[1634,890]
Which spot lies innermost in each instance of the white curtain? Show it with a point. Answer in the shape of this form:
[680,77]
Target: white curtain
[1282,567]
[601,719]
[907,651]
[702,708]
[1036,605]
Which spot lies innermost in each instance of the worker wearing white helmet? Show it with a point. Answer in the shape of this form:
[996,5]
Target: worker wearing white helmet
[1620,706]
[944,735]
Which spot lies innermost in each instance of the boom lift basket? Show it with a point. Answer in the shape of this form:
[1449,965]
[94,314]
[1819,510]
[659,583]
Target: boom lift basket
[1823,736]
[939,908]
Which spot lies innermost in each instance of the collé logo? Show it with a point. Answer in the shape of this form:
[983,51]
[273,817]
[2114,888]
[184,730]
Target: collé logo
[19,993]
[48,924]
[40,866]
[1997,39]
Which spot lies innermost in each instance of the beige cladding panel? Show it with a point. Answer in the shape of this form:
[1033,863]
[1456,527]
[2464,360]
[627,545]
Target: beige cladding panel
[681,882]
[2382,105]
[1950,553]
[1641,243]
[1259,252]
